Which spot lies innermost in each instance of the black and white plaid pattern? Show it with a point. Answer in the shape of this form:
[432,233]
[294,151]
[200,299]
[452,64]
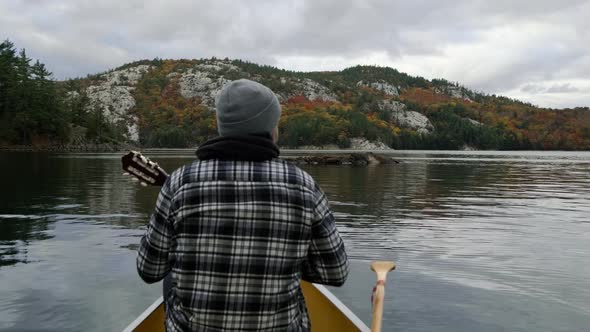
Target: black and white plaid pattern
[237,237]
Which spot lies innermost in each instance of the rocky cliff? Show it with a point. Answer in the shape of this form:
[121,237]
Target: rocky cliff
[113,92]
[170,103]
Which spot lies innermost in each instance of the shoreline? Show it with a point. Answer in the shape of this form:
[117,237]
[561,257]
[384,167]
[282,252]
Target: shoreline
[298,157]
[65,148]
[342,158]
[112,148]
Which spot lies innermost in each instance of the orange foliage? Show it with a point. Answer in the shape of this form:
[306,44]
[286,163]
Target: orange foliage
[423,96]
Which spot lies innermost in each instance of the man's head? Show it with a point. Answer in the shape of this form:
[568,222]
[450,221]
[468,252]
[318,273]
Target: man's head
[247,107]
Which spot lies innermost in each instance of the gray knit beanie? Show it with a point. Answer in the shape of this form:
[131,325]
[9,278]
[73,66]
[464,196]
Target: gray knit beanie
[246,107]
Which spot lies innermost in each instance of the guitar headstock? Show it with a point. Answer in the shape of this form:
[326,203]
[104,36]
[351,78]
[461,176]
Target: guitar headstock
[143,169]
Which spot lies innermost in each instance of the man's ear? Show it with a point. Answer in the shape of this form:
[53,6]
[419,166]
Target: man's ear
[275,134]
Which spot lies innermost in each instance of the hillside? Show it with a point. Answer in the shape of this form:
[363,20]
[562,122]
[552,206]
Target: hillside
[169,103]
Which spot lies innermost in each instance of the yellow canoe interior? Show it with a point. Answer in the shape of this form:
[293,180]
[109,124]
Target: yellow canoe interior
[326,312]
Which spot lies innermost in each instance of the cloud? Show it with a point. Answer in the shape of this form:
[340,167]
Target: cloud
[555,94]
[555,88]
[562,88]
[492,46]
[532,88]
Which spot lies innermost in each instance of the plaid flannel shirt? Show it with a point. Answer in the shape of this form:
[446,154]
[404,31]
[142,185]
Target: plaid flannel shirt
[237,238]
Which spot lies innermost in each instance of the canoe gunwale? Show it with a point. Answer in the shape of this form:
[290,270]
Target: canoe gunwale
[131,327]
[357,322]
[343,308]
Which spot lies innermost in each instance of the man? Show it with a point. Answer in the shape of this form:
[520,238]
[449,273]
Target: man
[238,229]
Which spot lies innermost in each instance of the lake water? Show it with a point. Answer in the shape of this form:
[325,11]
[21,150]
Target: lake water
[484,241]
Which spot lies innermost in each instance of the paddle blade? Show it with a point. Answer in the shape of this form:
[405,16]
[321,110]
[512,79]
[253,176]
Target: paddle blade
[382,266]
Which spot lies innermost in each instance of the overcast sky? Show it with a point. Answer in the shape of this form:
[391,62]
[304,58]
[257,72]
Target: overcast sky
[533,50]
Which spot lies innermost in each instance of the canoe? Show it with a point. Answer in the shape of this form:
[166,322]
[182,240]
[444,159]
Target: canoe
[326,313]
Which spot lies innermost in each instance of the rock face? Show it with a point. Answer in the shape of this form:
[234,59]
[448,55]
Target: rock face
[473,122]
[405,118]
[202,84]
[114,100]
[392,106]
[381,86]
[217,66]
[128,76]
[414,120]
[358,143]
[320,147]
[453,91]
[466,147]
[204,80]
[113,96]
[308,88]
[363,144]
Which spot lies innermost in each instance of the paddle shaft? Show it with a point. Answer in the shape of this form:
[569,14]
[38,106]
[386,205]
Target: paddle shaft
[381,269]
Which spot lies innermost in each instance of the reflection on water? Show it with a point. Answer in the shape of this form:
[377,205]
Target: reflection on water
[483,241]
[480,244]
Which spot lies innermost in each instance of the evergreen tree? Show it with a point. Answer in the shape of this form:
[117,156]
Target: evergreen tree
[29,102]
[8,83]
[23,121]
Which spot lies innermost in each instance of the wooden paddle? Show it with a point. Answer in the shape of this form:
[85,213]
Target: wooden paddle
[381,268]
